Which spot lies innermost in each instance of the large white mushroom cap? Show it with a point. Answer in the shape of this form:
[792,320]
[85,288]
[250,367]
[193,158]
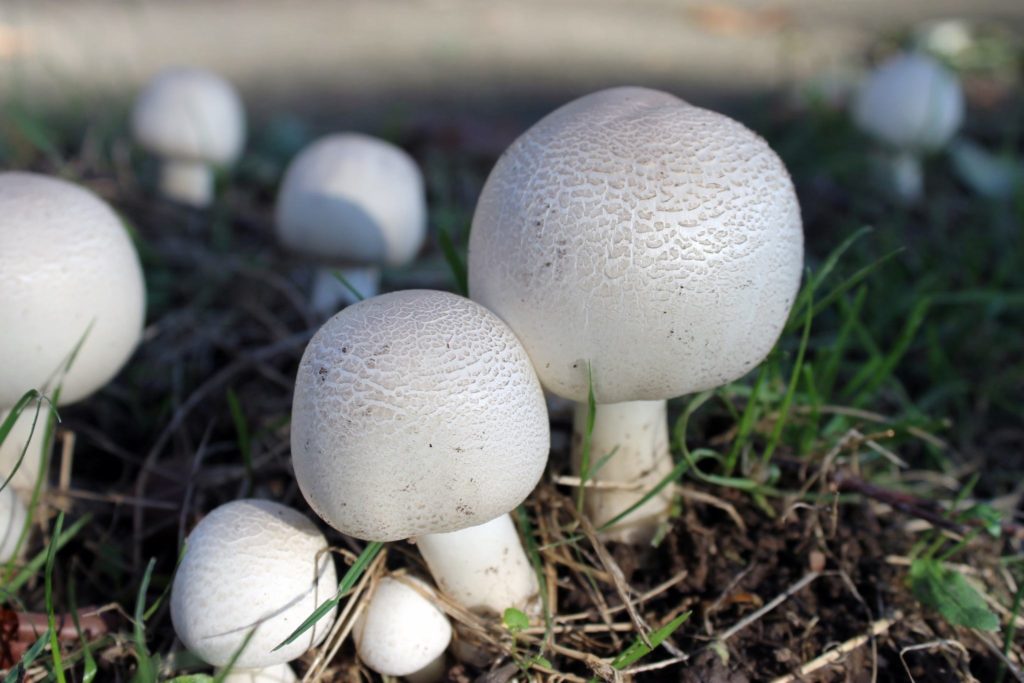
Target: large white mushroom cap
[658,241]
[190,114]
[401,631]
[911,102]
[68,273]
[252,564]
[416,412]
[352,198]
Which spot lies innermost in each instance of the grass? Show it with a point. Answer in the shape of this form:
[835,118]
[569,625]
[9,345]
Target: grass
[901,366]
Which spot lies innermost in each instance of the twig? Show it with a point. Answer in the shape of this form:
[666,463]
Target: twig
[832,656]
[769,606]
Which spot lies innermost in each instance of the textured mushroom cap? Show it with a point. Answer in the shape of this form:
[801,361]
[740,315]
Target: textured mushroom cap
[352,198]
[401,631]
[66,263]
[277,673]
[911,102]
[12,520]
[188,113]
[416,412]
[655,240]
[252,564]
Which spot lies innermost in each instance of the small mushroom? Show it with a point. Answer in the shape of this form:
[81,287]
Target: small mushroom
[401,632]
[194,121]
[252,566]
[914,105]
[651,246]
[417,413]
[353,202]
[71,289]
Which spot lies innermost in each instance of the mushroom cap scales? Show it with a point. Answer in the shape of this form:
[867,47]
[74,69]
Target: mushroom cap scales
[659,243]
[416,412]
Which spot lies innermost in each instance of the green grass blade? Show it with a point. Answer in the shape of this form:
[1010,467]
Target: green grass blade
[223,673]
[533,553]
[347,582]
[340,277]
[454,261]
[89,669]
[17,672]
[639,649]
[585,447]
[815,280]
[243,438]
[794,379]
[12,418]
[51,616]
[747,422]
[37,562]
[146,671]
[852,281]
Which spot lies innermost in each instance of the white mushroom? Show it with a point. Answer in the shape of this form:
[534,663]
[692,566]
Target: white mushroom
[402,633]
[252,566]
[194,121]
[12,521]
[418,413]
[914,105]
[353,201]
[69,275]
[658,244]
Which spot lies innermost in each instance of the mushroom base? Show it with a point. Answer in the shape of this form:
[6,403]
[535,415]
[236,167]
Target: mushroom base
[187,182]
[629,455]
[330,293]
[276,673]
[483,568]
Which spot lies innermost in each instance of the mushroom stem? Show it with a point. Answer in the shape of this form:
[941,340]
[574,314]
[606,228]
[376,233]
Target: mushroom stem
[329,292]
[628,446]
[187,181]
[276,673]
[483,568]
[906,176]
[430,673]
[12,521]
[24,479]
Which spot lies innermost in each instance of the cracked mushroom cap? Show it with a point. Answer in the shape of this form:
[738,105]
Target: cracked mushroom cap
[190,113]
[69,274]
[658,241]
[401,631]
[912,102]
[252,564]
[352,198]
[416,412]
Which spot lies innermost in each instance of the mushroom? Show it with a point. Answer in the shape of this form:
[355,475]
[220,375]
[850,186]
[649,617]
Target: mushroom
[401,632]
[252,567]
[417,413]
[12,521]
[353,201]
[71,289]
[913,105]
[194,121]
[646,246]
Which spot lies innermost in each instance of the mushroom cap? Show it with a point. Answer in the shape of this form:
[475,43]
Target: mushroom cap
[401,631]
[252,564]
[12,520]
[416,412]
[659,242]
[190,113]
[66,263]
[911,102]
[352,198]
